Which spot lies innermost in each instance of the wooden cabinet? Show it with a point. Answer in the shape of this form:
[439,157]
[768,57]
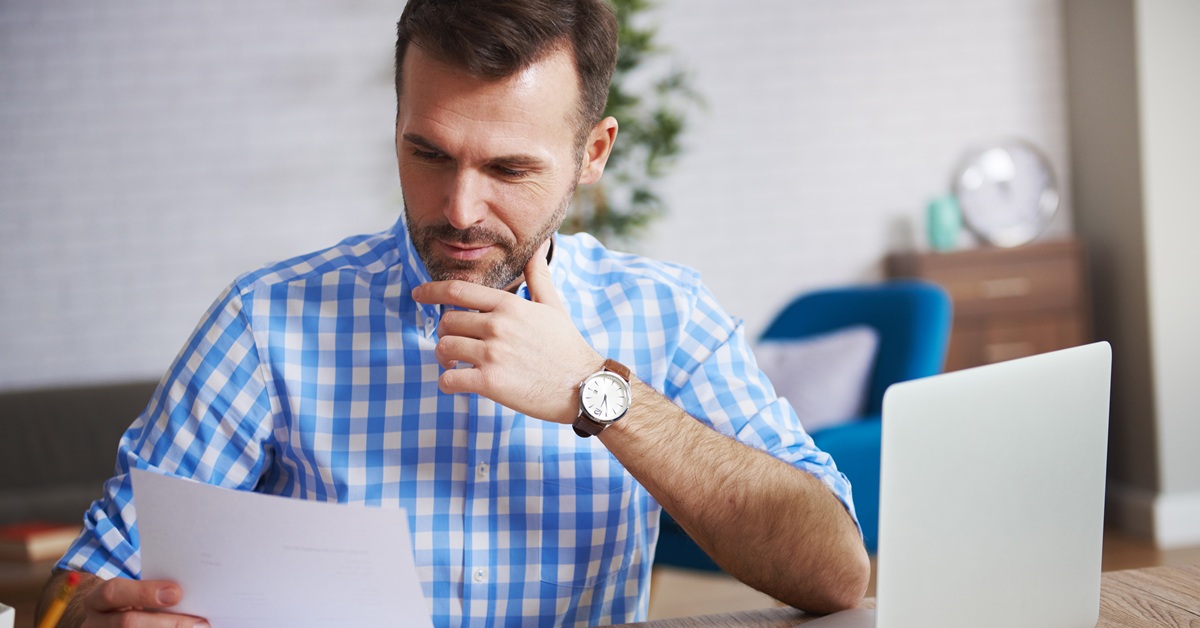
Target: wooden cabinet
[1008,303]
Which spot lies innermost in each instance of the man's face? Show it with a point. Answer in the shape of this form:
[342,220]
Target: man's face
[487,169]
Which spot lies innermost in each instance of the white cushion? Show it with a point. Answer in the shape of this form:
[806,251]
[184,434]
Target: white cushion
[825,377]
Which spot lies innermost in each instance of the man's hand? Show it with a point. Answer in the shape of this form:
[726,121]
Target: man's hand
[525,355]
[120,602]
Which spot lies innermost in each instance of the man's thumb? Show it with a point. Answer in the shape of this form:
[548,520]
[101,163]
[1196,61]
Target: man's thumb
[538,279]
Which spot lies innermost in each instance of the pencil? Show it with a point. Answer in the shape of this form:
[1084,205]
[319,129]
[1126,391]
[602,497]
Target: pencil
[59,605]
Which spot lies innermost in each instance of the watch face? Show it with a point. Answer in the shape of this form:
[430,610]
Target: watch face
[1006,192]
[605,397]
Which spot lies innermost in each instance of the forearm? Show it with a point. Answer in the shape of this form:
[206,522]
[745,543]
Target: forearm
[767,523]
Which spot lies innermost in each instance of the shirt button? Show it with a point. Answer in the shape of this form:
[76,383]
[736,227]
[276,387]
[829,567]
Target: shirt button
[480,575]
[481,471]
[429,325]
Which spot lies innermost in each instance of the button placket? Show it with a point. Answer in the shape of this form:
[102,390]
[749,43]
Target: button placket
[429,319]
[478,521]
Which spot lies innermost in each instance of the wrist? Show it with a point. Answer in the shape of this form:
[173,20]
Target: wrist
[648,404]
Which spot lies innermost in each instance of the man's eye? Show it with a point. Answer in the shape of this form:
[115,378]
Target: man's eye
[426,155]
[510,173]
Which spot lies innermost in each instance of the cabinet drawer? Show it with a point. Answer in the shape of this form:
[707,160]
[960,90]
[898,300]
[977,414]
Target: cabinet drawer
[1014,287]
[979,341]
[1008,303]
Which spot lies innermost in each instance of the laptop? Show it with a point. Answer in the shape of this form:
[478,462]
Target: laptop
[992,496]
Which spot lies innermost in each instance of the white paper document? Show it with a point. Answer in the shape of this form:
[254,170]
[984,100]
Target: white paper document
[247,559]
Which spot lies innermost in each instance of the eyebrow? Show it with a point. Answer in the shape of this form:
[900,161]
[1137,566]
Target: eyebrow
[516,159]
[413,138]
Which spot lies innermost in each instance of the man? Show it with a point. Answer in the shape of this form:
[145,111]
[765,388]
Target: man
[438,367]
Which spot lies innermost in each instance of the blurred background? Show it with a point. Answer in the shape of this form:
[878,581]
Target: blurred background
[152,151]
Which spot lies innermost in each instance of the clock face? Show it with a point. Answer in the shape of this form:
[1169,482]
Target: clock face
[1006,192]
[605,396]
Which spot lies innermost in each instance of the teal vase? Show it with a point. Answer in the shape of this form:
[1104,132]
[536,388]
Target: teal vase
[944,221]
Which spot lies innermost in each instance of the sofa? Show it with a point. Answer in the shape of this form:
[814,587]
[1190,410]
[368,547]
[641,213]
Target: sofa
[58,445]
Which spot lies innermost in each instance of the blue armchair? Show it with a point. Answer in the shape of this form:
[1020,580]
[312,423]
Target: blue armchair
[912,320]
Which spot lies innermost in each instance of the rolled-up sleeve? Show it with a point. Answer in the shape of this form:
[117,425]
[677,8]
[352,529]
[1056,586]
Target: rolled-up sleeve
[208,420]
[715,378]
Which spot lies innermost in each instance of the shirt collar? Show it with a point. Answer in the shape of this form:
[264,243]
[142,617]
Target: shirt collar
[415,274]
[551,257]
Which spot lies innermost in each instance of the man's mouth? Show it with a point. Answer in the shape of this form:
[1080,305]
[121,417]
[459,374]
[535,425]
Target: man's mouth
[464,251]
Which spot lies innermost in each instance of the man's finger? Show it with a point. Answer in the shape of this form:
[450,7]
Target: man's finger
[463,294]
[455,381]
[454,349]
[464,323]
[539,280]
[148,619]
[119,593]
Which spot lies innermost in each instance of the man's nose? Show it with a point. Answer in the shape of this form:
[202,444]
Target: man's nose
[466,204]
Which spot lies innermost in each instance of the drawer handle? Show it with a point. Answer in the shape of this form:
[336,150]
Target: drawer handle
[1006,288]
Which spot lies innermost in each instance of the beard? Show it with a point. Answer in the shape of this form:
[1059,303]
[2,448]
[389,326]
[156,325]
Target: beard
[499,274]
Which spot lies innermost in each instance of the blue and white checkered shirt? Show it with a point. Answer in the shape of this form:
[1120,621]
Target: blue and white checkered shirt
[315,378]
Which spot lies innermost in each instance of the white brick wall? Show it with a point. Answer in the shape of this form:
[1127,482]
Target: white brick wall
[831,124]
[151,151]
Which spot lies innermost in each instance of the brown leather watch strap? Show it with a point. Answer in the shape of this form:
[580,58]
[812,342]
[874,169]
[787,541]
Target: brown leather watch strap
[618,368]
[585,427]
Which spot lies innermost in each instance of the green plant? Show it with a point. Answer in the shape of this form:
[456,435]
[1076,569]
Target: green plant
[650,105]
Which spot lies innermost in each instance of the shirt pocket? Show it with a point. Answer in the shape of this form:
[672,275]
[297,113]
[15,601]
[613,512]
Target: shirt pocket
[587,536]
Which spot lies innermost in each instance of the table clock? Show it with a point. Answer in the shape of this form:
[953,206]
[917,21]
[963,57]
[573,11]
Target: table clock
[1006,192]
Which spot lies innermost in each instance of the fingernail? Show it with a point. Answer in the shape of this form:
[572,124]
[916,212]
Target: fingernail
[168,596]
[202,624]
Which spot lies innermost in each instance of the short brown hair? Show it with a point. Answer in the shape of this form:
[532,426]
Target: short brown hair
[494,39]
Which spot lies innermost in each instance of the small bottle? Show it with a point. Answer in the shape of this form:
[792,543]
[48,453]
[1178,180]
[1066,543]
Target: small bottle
[944,221]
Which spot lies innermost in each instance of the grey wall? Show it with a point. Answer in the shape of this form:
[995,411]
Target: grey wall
[1134,83]
[1169,71]
[1106,157]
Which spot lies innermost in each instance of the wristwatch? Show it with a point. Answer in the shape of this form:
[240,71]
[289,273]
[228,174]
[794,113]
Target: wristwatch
[604,397]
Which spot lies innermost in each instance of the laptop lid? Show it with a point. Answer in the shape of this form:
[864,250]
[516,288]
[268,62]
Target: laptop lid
[992,494]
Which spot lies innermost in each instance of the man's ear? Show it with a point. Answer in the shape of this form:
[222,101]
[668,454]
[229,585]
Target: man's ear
[597,149]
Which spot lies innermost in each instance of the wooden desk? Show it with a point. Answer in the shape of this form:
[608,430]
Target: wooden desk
[1153,597]
[1150,597]
[21,585]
